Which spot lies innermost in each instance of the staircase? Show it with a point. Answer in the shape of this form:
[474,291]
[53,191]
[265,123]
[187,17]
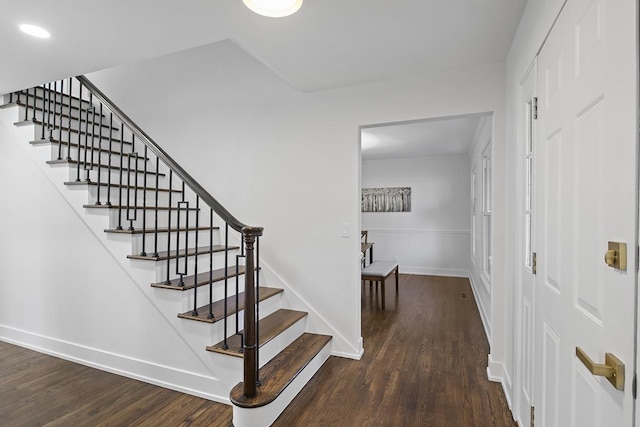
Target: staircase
[198,252]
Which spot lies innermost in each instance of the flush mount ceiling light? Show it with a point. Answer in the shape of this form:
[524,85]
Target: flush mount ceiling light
[273,8]
[35,31]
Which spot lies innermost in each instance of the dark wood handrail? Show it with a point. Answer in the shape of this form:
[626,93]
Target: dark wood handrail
[172,164]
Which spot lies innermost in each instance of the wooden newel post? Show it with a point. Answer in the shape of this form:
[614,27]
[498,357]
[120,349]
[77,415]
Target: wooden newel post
[250,338]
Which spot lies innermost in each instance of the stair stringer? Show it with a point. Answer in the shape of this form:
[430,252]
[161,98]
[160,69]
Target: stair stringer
[151,344]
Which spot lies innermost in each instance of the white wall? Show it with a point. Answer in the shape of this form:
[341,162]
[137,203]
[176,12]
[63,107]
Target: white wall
[285,160]
[434,237]
[275,157]
[68,289]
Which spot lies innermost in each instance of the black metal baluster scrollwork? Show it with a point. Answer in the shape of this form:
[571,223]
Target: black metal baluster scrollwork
[182,204]
[250,235]
[134,208]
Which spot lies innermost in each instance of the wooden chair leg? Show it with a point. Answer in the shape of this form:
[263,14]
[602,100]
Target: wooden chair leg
[382,292]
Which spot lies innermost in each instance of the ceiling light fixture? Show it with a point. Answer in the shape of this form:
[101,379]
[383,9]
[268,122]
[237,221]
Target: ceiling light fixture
[35,31]
[273,8]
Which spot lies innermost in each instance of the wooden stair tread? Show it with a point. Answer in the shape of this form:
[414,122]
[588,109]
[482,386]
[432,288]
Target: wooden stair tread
[160,208]
[103,166]
[72,130]
[173,254]
[270,327]
[115,184]
[159,230]
[218,306]
[64,114]
[65,97]
[75,146]
[202,279]
[280,371]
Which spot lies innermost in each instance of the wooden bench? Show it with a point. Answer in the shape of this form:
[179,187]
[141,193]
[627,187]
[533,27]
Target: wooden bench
[379,271]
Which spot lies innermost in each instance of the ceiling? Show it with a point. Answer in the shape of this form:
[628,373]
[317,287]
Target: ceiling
[434,137]
[328,43]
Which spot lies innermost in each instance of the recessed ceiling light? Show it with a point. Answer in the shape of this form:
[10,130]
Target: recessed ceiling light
[274,8]
[35,31]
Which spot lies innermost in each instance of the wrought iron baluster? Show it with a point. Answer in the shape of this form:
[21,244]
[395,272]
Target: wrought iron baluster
[26,107]
[195,267]
[98,203]
[108,203]
[45,96]
[225,345]
[168,281]
[86,145]
[210,315]
[35,99]
[155,222]
[79,133]
[133,154]
[144,203]
[68,122]
[122,128]
[178,272]
[53,111]
[61,117]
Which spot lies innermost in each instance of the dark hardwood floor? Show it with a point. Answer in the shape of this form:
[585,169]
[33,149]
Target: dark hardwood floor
[424,365]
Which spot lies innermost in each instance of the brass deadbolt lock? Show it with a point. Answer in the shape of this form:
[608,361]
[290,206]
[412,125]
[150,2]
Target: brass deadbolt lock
[616,255]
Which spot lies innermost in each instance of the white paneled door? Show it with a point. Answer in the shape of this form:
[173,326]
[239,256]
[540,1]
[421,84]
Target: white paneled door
[526,157]
[585,197]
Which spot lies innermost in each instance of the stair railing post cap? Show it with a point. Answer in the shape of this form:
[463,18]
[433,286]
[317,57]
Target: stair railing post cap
[252,231]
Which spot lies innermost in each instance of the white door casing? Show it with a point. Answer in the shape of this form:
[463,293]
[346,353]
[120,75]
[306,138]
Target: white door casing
[526,292]
[585,196]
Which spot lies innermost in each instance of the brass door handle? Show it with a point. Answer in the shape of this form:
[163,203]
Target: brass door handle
[612,370]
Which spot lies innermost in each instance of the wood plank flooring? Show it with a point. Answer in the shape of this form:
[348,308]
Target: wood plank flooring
[424,365]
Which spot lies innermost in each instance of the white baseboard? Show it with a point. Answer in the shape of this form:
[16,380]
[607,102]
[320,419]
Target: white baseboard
[496,372]
[481,309]
[164,376]
[356,356]
[432,271]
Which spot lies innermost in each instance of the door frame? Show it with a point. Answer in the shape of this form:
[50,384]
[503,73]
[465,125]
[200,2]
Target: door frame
[520,170]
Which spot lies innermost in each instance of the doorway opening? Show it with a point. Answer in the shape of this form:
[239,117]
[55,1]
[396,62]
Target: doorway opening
[444,164]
